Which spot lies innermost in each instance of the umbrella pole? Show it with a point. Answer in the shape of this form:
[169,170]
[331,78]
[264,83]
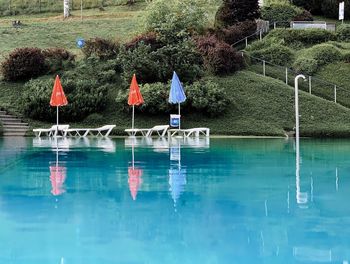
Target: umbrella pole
[57,122]
[133,116]
[133,156]
[179,118]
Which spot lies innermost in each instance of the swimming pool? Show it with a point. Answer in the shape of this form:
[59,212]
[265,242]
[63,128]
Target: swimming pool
[153,201]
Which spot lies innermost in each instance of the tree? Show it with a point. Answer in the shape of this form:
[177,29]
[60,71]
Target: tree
[66,12]
[234,11]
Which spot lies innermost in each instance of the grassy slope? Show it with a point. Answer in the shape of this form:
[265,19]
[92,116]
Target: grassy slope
[120,22]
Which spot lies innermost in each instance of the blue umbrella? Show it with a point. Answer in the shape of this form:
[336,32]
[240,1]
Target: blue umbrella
[177,94]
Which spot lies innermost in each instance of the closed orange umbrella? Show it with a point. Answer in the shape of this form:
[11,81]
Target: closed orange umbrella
[134,176]
[58,98]
[135,97]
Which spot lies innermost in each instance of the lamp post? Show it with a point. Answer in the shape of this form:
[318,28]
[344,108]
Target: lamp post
[296,89]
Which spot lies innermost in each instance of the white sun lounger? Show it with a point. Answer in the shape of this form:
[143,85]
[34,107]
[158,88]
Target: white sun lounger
[103,131]
[196,132]
[76,132]
[52,131]
[160,130]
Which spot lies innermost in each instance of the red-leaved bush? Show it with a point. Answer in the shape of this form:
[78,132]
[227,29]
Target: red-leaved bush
[219,57]
[149,38]
[23,64]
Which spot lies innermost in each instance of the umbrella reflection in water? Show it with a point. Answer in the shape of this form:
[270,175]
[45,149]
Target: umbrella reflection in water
[57,176]
[177,174]
[134,176]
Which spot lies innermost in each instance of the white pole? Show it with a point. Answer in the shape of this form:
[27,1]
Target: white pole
[287,76]
[179,118]
[133,115]
[296,89]
[57,121]
[81,10]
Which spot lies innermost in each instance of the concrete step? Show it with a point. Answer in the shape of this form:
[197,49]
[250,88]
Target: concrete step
[11,123]
[15,126]
[15,129]
[13,134]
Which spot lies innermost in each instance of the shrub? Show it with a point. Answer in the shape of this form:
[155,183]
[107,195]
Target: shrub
[307,36]
[219,57]
[233,11]
[323,53]
[1,129]
[202,97]
[84,97]
[303,16]
[346,57]
[23,64]
[207,97]
[57,59]
[306,65]
[343,33]
[314,6]
[158,66]
[175,20]
[280,13]
[276,53]
[149,38]
[94,119]
[102,48]
[237,32]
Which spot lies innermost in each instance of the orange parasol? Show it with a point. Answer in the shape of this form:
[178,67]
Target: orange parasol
[58,97]
[135,97]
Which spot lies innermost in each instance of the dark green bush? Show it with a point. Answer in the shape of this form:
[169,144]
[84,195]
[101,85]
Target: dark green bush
[207,97]
[1,129]
[280,13]
[330,8]
[202,97]
[102,48]
[314,6]
[158,66]
[306,65]
[219,57]
[303,16]
[94,119]
[276,53]
[323,53]
[346,57]
[307,36]
[343,32]
[23,64]
[84,97]
[58,59]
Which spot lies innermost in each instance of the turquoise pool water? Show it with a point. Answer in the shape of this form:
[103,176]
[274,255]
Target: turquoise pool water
[154,201]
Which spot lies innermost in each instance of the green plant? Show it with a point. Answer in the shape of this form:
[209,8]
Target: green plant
[84,97]
[102,48]
[175,20]
[207,97]
[23,64]
[280,12]
[307,37]
[306,65]
[343,33]
[158,66]
[346,57]
[1,129]
[237,32]
[276,53]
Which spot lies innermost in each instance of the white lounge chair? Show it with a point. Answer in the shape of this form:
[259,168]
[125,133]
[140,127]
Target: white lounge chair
[160,130]
[52,131]
[76,132]
[135,131]
[196,132]
[100,131]
[147,132]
